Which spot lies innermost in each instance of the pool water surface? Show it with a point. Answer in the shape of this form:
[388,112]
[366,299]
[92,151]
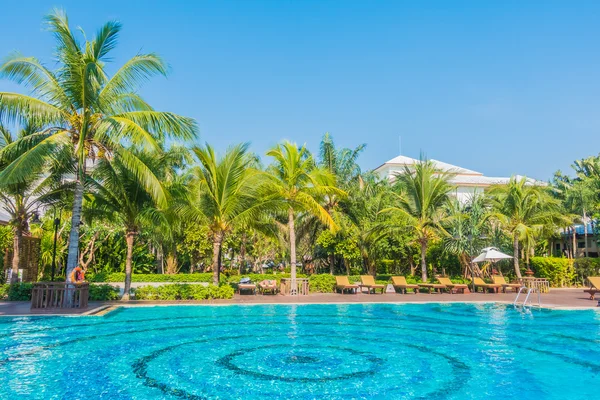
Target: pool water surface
[335,351]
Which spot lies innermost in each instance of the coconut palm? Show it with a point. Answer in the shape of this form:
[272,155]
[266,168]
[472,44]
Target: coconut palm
[524,210]
[85,114]
[223,194]
[295,184]
[22,200]
[118,195]
[419,199]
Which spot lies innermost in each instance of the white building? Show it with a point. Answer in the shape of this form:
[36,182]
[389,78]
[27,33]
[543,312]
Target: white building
[466,181]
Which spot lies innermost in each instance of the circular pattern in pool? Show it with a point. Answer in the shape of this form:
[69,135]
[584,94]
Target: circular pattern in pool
[433,351]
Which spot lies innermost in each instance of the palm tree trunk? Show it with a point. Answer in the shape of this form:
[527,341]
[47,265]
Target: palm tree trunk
[294,288]
[516,256]
[585,234]
[74,233]
[129,238]
[331,263]
[423,261]
[574,241]
[18,238]
[216,262]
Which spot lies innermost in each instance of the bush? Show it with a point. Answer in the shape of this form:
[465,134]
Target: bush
[559,271]
[4,291]
[184,292]
[19,291]
[323,283]
[120,277]
[103,292]
[585,267]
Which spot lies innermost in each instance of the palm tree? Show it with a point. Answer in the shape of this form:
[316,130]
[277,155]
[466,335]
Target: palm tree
[224,194]
[466,224]
[296,184]
[84,113]
[22,200]
[420,196]
[119,195]
[368,225]
[524,210]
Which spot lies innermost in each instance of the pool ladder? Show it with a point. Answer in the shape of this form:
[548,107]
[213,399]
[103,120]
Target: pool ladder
[527,297]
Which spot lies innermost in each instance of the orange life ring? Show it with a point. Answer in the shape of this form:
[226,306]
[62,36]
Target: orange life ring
[77,275]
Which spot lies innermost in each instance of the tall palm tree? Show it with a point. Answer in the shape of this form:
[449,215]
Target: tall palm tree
[524,210]
[224,194]
[22,200]
[119,195]
[420,196]
[85,113]
[296,184]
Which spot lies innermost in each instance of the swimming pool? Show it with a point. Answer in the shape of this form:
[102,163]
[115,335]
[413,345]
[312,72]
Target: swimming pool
[433,351]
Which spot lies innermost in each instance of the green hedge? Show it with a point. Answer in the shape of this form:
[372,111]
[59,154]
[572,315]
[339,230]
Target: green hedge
[184,292]
[560,272]
[104,292]
[120,277]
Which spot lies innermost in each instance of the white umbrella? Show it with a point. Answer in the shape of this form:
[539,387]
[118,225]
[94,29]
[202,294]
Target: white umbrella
[491,254]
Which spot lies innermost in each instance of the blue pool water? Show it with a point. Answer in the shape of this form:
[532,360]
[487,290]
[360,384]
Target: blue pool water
[368,351]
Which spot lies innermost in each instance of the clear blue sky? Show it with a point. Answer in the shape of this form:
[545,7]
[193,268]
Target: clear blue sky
[500,87]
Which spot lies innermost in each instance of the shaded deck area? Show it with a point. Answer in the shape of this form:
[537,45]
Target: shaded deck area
[557,298]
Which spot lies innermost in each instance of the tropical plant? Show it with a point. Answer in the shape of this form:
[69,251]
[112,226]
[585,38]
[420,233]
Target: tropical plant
[118,194]
[22,200]
[419,199]
[84,114]
[466,225]
[224,193]
[295,184]
[524,210]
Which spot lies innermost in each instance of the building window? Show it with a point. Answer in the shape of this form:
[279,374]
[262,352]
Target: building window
[557,246]
[580,245]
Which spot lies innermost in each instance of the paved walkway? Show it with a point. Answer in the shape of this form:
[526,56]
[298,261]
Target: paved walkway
[557,298]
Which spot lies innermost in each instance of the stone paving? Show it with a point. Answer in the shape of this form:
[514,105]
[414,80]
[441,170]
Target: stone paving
[557,298]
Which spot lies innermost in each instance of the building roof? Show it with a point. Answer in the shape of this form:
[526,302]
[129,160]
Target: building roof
[439,165]
[461,176]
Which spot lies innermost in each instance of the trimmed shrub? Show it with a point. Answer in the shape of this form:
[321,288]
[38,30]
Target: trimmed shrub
[585,267]
[559,271]
[323,283]
[183,292]
[103,292]
[19,291]
[4,291]
[120,277]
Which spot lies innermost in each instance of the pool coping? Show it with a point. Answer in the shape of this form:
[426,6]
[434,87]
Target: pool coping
[106,309]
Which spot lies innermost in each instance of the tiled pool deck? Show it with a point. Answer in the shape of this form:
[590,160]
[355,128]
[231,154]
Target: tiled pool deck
[557,298]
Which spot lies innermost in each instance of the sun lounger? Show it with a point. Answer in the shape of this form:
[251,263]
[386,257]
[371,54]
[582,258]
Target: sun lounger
[399,282]
[433,286]
[367,281]
[268,286]
[250,287]
[342,283]
[479,283]
[499,280]
[594,286]
[453,287]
